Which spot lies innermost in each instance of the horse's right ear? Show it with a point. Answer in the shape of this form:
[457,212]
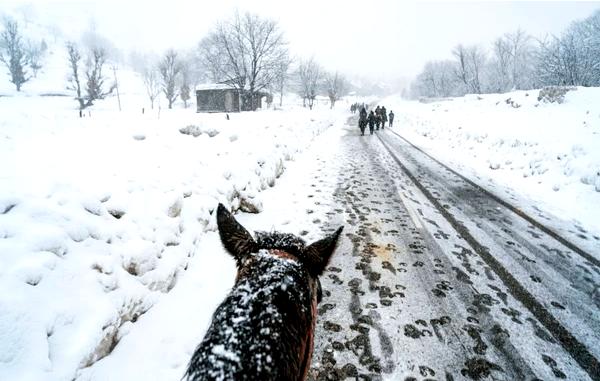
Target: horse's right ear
[236,240]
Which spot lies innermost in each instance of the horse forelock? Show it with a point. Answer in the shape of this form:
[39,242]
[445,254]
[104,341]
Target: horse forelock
[282,241]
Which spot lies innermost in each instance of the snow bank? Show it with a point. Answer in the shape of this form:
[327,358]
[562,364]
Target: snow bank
[547,151]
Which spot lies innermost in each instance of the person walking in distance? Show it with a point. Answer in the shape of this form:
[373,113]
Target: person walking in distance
[362,120]
[391,118]
[371,120]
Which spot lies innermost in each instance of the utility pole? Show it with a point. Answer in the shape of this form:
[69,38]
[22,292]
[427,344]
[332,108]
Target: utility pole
[114,68]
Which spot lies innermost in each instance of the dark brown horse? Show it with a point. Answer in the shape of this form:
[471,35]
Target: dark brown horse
[264,329]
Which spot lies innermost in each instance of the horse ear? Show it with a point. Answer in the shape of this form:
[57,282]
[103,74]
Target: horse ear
[318,253]
[236,240]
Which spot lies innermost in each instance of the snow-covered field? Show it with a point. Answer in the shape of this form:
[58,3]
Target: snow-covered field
[100,216]
[549,153]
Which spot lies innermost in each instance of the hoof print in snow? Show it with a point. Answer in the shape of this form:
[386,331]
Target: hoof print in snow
[7,208]
[116,213]
[249,204]
[412,331]
[388,266]
[536,279]
[326,307]
[139,137]
[33,279]
[553,366]
[479,368]
[175,208]
[513,314]
[335,279]
[329,326]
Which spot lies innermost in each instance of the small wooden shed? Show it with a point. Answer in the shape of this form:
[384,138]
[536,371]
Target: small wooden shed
[217,97]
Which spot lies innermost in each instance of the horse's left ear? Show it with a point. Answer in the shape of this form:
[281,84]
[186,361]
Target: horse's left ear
[317,254]
[236,240]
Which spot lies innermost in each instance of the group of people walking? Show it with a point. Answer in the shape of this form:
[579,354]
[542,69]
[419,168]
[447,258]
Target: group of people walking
[374,119]
[356,107]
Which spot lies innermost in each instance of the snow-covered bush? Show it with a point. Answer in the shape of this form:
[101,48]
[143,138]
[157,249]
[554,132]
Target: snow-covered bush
[196,131]
[552,94]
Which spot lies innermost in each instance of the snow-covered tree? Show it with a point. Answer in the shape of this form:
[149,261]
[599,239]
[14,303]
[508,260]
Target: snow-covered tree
[184,88]
[511,65]
[572,59]
[169,69]
[282,77]
[336,87]
[244,51]
[94,78]
[437,79]
[35,55]
[74,80]
[470,63]
[13,53]
[309,75]
[151,80]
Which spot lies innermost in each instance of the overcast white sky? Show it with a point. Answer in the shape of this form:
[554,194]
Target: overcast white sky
[375,38]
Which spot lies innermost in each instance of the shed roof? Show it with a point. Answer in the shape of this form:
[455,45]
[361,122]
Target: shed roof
[214,86]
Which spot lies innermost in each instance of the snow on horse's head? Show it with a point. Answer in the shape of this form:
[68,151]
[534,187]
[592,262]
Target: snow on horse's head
[264,329]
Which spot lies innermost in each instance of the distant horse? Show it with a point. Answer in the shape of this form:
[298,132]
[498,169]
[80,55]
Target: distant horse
[264,329]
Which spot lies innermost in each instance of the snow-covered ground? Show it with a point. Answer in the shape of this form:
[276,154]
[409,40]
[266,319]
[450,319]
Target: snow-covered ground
[100,216]
[548,153]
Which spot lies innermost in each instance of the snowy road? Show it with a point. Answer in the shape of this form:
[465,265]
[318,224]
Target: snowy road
[436,279]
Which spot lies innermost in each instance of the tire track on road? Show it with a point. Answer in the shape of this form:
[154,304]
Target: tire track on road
[578,351]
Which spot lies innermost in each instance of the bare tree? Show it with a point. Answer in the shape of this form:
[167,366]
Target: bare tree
[438,79]
[245,52]
[74,80]
[469,67]
[95,85]
[169,69]
[95,81]
[572,58]
[35,54]
[184,88]
[13,53]
[336,86]
[151,83]
[500,66]
[511,64]
[282,77]
[476,58]
[309,76]
[521,53]
[462,69]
